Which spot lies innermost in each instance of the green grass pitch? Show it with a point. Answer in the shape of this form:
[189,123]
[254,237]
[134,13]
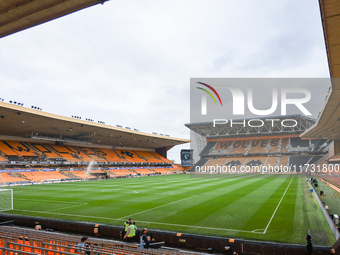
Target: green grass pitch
[258,207]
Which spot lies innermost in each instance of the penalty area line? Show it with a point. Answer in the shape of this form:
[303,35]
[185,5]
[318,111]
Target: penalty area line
[265,230]
[147,222]
[128,216]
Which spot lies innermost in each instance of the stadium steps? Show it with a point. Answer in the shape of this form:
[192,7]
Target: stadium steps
[207,148]
[68,174]
[18,175]
[280,143]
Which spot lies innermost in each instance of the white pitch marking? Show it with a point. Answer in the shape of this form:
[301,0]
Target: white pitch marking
[148,222]
[128,216]
[278,205]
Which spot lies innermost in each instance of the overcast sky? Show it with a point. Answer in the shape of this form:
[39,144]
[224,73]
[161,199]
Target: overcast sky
[129,62]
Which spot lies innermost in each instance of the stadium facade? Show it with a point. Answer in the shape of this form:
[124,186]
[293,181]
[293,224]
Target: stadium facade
[271,144]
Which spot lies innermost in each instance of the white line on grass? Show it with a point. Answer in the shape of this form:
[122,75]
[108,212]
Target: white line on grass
[50,201]
[148,222]
[128,216]
[265,230]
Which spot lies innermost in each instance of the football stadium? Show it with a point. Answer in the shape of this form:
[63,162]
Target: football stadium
[259,189]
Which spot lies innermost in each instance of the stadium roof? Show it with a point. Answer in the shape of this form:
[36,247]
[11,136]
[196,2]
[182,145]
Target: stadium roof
[17,15]
[23,122]
[328,124]
[264,126]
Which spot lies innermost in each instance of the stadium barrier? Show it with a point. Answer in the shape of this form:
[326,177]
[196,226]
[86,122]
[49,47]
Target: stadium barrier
[327,216]
[171,239]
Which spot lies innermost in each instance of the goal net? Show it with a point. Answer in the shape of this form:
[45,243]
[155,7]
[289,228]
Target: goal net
[6,199]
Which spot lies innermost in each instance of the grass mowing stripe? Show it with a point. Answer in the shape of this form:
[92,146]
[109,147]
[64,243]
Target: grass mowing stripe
[238,213]
[300,221]
[265,230]
[211,204]
[108,200]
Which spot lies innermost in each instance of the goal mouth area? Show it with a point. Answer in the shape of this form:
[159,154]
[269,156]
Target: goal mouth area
[6,199]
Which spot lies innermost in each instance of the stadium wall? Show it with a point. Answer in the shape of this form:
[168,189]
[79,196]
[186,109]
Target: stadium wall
[179,240]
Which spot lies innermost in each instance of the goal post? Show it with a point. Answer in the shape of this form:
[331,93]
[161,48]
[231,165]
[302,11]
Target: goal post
[6,199]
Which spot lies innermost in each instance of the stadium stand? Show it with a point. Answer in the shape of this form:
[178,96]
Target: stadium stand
[122,172]
[236,162]
[43,176]
[45,151]
[143,171]
[285,144]
[157,155]
[275,151]
[15,240]
[216,162]
[131,156]
[148,156]
[8,178]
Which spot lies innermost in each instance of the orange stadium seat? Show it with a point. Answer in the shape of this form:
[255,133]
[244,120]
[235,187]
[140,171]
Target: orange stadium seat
[284,144]
[108,154]
[77,151]
[92,154]
[157,155]
[64,152]
[216,162]
[22,149]
[41,176]
[44,148]
[6,177]
[130,156]
[143,171]
[149,157]
[5,149]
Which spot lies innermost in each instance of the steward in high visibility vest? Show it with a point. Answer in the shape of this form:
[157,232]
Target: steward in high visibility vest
[126,225]
[131,232]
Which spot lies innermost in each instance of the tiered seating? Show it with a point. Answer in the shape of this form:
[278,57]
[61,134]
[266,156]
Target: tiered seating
[216,162]
[255,161]
[2,158]
[259,146]
[271,161]
[6,150]
[222,146]
[130,156]
[274,145]
[40,176]
[31,242]
[157,155]
[92,154]
[64,152]
[79,153]
[79,173]
[22,149]
[162,170]
[143,171]
[284,144]
[239,147]
[335,158]
[149,156]
[5,178]
[122,172]
[283,161]
[44,148]
[110,155]
[235,161]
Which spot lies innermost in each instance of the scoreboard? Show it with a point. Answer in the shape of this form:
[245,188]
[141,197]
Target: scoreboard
[186,158]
